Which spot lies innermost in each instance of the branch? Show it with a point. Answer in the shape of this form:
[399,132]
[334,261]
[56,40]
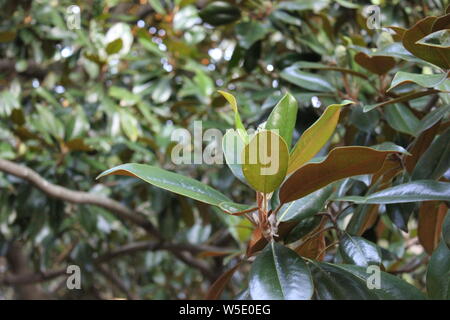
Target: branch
[115,280]
[121,211]
[42,276]
[32,277]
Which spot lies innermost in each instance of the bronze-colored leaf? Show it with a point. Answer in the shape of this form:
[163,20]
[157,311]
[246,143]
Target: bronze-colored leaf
[314,247]
[421,144]
[431,216]
[257,242]
[399,33]
[341,163]
[437,56]
[375,64]
[219,285]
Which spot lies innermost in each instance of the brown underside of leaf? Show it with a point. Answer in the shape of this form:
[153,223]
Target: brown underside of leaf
[375,64]
[219,285]
[422,143]
[314,248]
[341,163]
[431,216]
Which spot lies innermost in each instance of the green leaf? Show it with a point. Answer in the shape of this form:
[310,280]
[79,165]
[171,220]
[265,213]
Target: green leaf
[278,273]
[249,32]
[265,161]
[334,283]
[218,13]
[302,228]
[401,118]
[438,273]
[436,159]
[423,80]
[232,146]
[233,208]
[304,207]
[401,98]
[315,137]
[114,46]
[438,39]
[391,287]
[283,117]
[432,118]
[389,146]
[421,190]
[446,229]
[310,81]
[359,251]
[169,181]
[237,118]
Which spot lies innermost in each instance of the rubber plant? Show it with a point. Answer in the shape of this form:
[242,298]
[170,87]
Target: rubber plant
[290,213]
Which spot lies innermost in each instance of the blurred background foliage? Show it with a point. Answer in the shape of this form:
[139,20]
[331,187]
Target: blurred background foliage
[75,102]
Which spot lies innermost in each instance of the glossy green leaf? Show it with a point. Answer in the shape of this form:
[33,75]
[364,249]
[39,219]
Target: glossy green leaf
[401,98]
[438,273]
[265,161]
[399,213]
[436,159]
[283,117]
[391,287]
[237,118]
[423,80]
[334,283]
[310,81]
[167,180]
[389,146]
[233,208]
[278,273]
[232,146]
[446,229]
[304,207]
[401,118]
[315,137]
[302,228]
[420,190]
[433,117]
[359,251]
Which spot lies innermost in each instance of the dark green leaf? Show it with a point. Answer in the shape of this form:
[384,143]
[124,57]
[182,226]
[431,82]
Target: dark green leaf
[283,117]
[359,251]
[438,273]
[170,181]
[278,273]
[421,190]
[436,159]
[391,287]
